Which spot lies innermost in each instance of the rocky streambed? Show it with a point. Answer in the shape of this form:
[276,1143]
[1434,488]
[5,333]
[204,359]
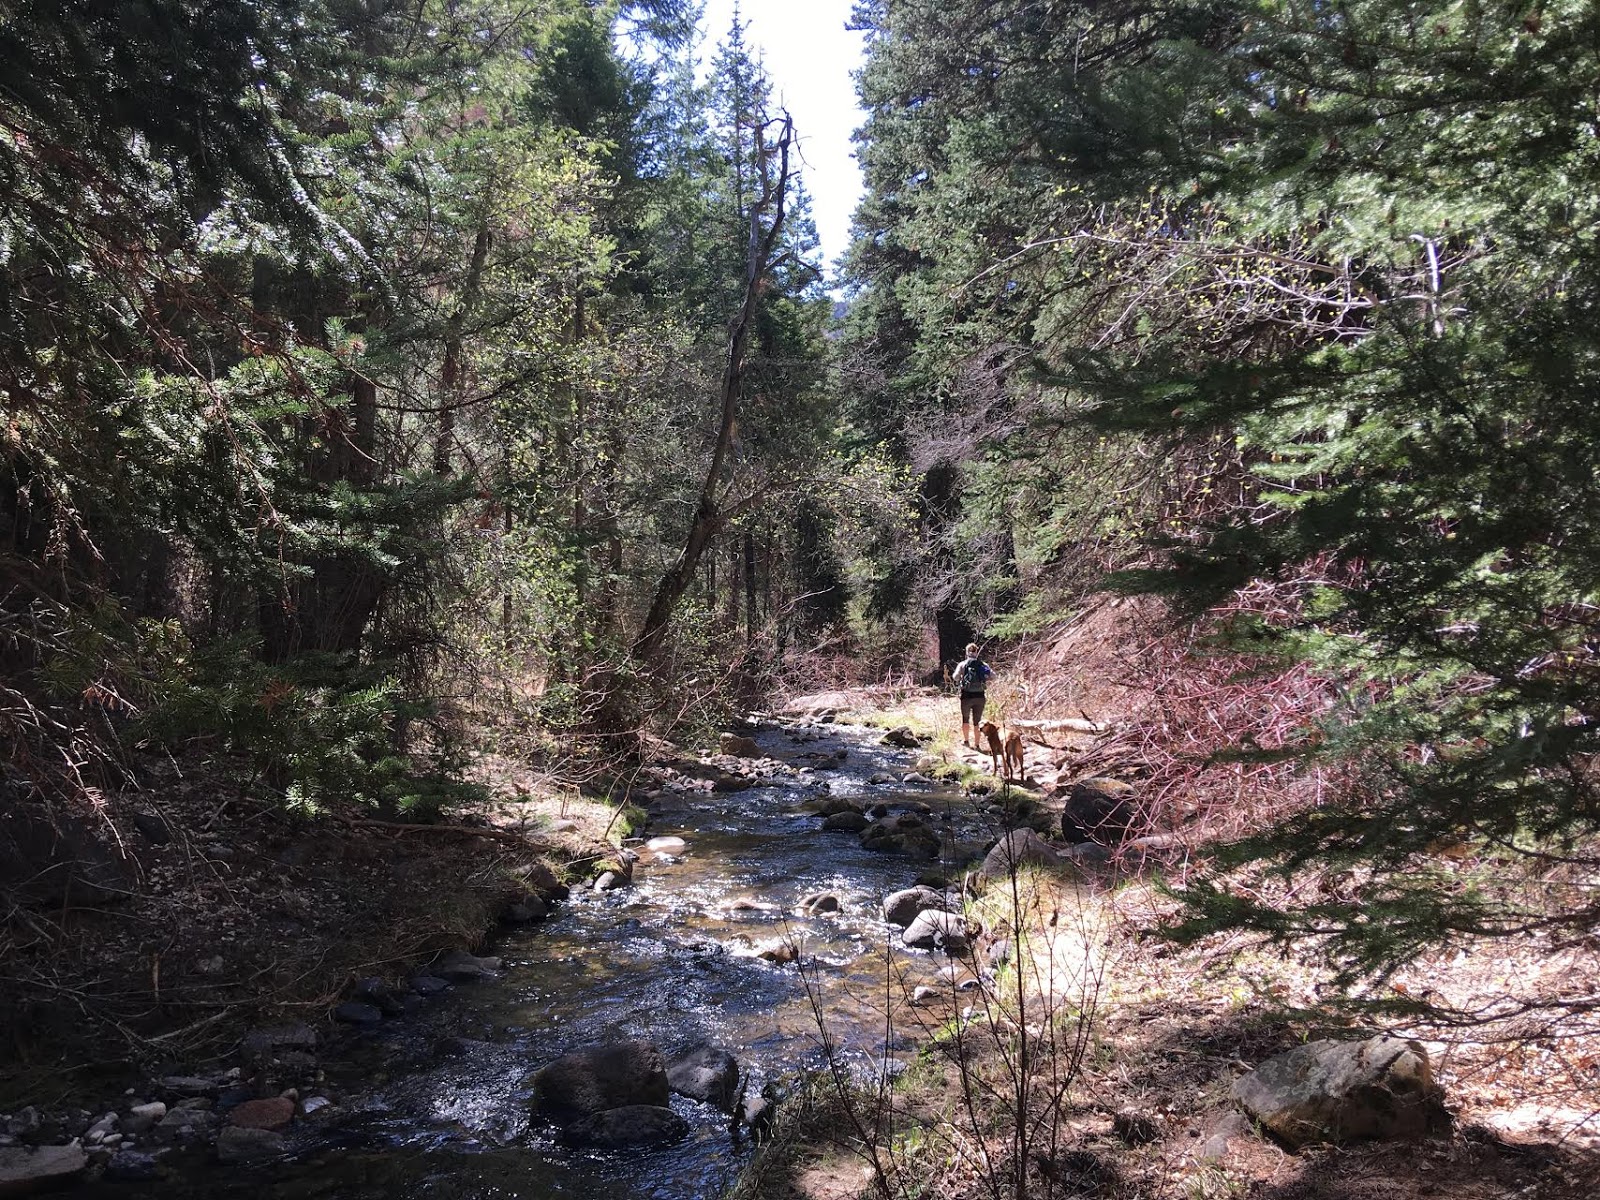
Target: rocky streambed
[701,960]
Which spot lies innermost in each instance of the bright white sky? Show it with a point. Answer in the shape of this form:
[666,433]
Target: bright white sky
[810,56]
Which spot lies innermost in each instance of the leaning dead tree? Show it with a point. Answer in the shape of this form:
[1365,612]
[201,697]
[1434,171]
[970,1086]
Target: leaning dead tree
[716,505]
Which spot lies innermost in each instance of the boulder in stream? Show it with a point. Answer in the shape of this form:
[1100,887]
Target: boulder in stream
[614,1075]
[934,929]
[901,834]
[458,966]
[737,746]
[900,737]
[902,907]
[629,1125]
[848,820]
[240,1145]
[708,1074]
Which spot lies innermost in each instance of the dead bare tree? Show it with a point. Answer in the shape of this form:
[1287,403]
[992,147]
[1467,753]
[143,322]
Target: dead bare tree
[715,508]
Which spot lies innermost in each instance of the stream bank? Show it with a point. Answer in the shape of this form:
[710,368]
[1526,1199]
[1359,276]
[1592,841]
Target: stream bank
[688,952]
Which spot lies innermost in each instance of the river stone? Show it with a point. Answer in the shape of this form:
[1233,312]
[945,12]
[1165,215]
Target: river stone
[829,805]
[849,820]
[142,1118]
[900,737]
[240,1145]
[708,1074]
[458,966]
[377,992]
[525,911]
[818,903]
[353,1012]
[666,845]
[25,1170]
[427,985]
[1332,1091]
[590,1081]
[1021,849]
[185,1124]
[901,834]
[901,908]
[273,1113]
[1098,810]
[934,929]
[630,1125]
[737,746]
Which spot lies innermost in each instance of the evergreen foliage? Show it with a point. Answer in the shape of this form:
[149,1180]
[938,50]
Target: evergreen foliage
[1336,262]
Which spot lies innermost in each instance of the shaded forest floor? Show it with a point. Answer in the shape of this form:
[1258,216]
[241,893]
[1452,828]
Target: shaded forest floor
[213,913]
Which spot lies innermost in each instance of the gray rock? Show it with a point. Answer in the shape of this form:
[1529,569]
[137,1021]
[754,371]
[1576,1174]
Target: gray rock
[706,1073]
[666,845]
[629,1125]
[353,1012]
[296,1036]
[104,1127]
[833,805]
[586,1082]
[818,903]
[1332,1091]
[915,777]
[314,1104]
[380,995]
[849,820]
[902,834]
[26,1125]
[1219,1141]
[458,966]
[1098,810]
[240,1145]
[901,908]
[610,881]
[900,737]
[24,1171]
[142,1118]
[525,911]
[736,746]
[185,1124]
[880,777]
[934,929]
[427,985]
[924,995]
[1021,849]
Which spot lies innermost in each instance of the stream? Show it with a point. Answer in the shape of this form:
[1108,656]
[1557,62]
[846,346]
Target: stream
[435,1104]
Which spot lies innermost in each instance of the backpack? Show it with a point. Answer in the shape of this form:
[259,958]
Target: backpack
[973,674]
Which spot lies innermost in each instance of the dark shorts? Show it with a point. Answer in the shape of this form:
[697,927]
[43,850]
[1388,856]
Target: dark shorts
[971,707]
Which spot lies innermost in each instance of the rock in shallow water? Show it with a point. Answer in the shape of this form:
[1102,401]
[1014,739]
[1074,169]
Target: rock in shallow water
[585,1082]
[631,1125]
[934,929]
[240,1145]
[706,1073]
[901,908]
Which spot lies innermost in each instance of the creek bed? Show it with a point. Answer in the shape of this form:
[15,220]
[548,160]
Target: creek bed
[435,1104]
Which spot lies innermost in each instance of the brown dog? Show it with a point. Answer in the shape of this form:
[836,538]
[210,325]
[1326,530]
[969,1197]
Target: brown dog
[990,733]
[1013,756]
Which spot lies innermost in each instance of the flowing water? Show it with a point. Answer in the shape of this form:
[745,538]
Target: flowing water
[436,1104]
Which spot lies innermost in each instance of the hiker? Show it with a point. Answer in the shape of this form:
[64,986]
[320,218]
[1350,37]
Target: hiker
[971,676]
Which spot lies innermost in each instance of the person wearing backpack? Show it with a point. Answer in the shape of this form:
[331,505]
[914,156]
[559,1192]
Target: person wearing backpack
[972,676]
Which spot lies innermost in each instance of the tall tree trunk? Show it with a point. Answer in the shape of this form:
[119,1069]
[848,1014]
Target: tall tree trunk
[709,515]
[451,380]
